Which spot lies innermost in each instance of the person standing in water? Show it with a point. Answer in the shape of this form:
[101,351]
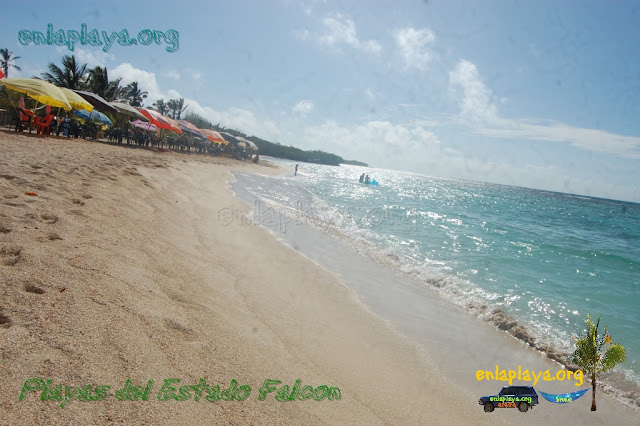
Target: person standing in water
[362,178]
[296,172]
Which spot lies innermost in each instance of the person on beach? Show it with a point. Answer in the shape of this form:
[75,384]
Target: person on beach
[362,178]
[296,172]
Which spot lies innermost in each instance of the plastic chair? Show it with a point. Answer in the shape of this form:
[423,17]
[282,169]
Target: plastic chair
[44,125]
[22,118]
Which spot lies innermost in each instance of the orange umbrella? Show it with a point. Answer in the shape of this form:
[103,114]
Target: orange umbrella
[160,120]
[174,124]
[213,136]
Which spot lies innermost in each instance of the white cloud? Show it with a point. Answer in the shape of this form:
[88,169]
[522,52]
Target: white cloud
[477,101]
[371,46]
[238,119]
[588,139]
[146,81]
[426,122]
[414,46]
[234,118]
[375,140]
[370,95]
[302,34]
[303,107]
[173,74]
[341,30]
[93,59]
[478,110]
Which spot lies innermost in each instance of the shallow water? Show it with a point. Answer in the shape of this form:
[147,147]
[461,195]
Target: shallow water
[531,262]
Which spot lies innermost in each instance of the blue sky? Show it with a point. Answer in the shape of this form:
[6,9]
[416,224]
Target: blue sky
[539,94]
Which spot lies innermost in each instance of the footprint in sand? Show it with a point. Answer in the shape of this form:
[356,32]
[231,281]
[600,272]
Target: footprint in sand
[4,229]
[51,236]
[5,321]
[49,218]
[173,325]
[10,255]
[30,288]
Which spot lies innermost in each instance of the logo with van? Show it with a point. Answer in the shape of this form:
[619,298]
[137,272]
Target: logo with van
[524,397]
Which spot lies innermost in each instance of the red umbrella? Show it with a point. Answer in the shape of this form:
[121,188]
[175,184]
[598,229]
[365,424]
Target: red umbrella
[160,120]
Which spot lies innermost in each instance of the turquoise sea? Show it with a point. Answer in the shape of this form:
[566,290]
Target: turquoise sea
[531,262]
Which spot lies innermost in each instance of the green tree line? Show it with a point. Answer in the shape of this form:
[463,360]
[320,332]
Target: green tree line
[77,76]
[275,149]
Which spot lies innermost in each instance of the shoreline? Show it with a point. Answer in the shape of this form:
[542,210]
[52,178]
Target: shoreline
[121,269]
[421,314]
[118,269]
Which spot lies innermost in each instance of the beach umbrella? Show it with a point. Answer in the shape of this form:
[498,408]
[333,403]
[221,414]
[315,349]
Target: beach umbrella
[40,90]
[76,101]
[93,115]
[186,125]
[174,124]
[160,120]
[230,138]
[97,101]
[190,128]
[129,110]
[213,136]
[248,143]
[145,126]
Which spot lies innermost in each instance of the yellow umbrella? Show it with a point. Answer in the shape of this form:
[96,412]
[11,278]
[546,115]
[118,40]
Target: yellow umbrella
[39,90]
[213,136]
[76,101]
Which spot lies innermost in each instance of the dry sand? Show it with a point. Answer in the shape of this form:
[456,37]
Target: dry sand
[120,269]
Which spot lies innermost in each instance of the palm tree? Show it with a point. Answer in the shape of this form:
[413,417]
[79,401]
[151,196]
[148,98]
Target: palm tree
[71,75]
[591,356]
[134,94]
[177,107]
[98,82]
[180,107]
[171,106]
[161,107]
[6,60]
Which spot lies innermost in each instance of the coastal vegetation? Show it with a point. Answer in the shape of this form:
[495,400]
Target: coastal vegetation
[7,61]
[596,354]
[76,76]
[275,149]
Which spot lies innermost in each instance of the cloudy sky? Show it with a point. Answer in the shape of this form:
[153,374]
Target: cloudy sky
[541,94]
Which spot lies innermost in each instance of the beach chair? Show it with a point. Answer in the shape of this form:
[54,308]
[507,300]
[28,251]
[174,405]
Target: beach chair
[44,124]
[21,118]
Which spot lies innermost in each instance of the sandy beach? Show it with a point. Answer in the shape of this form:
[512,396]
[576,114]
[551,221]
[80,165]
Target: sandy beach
[125,265]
